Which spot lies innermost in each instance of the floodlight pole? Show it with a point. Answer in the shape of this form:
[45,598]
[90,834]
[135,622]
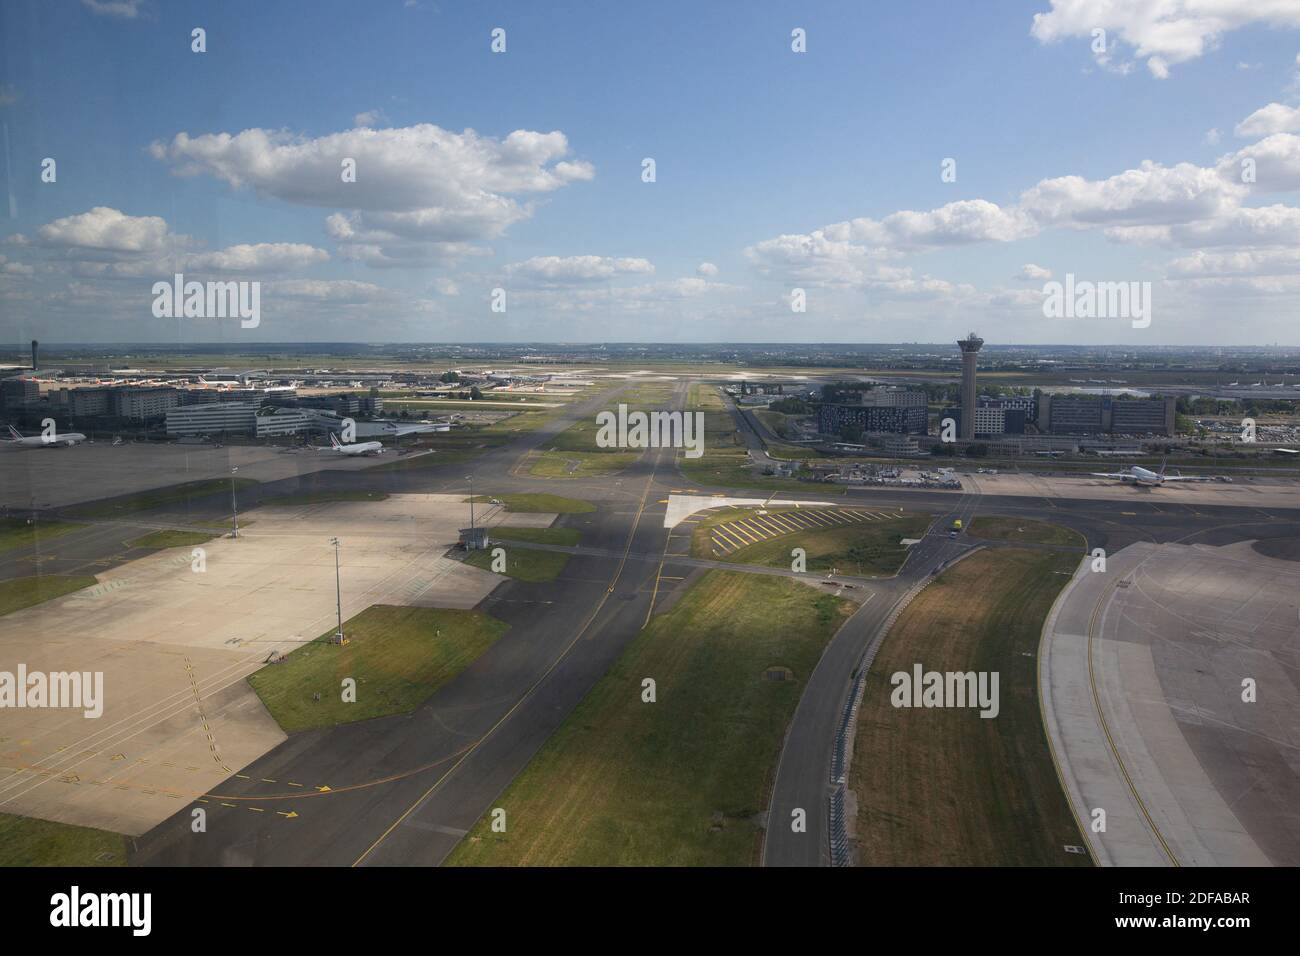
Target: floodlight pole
[338,588]
[234,505]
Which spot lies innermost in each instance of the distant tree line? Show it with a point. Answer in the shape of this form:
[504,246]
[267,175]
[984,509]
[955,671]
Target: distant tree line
[791,406]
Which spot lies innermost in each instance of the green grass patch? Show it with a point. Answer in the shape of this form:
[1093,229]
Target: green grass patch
[581,464]
[778,423]
[1025,531]
[679,782]
[320,497]
[539,503]
[171,539]
[525,564]
[18,593]
[725,462]
[157,498]
[566,537]
[398,656]
[868,548]
[791,452]
[21,533]
[942,786]
[25,841]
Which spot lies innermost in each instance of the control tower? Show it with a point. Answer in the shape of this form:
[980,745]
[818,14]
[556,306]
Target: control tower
[969,346]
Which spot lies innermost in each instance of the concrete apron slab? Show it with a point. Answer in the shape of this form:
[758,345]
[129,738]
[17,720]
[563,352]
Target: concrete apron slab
[175,646]
[1119,723]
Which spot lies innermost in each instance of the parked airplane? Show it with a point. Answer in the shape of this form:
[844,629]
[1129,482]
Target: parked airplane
[357,448]
[1144,476]
[67,439]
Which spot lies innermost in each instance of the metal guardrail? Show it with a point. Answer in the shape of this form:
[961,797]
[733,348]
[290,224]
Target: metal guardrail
[841,851]
[841,848]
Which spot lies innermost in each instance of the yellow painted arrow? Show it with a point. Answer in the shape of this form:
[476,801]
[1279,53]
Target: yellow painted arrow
[288,816]
[323,789]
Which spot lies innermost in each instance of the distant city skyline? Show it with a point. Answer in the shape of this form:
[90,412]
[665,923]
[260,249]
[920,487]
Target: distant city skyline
[909,174]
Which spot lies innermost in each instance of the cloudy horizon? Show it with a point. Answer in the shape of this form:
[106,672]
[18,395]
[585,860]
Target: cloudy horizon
[410,175]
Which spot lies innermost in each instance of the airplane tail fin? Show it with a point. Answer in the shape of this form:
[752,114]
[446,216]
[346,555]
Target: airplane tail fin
[1163,462]
[13,432]
[334,441]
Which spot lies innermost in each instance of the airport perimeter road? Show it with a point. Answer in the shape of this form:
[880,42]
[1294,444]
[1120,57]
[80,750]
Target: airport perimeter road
[803,774]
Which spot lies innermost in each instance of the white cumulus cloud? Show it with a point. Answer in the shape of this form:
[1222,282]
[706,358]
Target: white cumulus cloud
[565,270]
[1274,118]
[415,184]
[1161,32]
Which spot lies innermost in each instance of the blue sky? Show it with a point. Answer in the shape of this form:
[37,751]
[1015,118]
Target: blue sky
[775,170]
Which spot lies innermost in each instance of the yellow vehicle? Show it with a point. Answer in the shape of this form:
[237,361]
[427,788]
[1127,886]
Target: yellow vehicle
[956,525]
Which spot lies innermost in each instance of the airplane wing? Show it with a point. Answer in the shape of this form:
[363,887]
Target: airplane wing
[1116,475]
[1190,478]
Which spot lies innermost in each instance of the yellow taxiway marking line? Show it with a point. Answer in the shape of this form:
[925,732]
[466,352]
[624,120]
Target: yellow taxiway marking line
[1105,727]
[783,522]
[733,530]
[734,540]
[752,530]
[800,518]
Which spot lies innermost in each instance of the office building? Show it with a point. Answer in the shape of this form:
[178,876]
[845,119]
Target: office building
[1104,414]
[19,391]
[215,419]
[900,446]
[283,421]
[142,404]
[894,398]
[833,419]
